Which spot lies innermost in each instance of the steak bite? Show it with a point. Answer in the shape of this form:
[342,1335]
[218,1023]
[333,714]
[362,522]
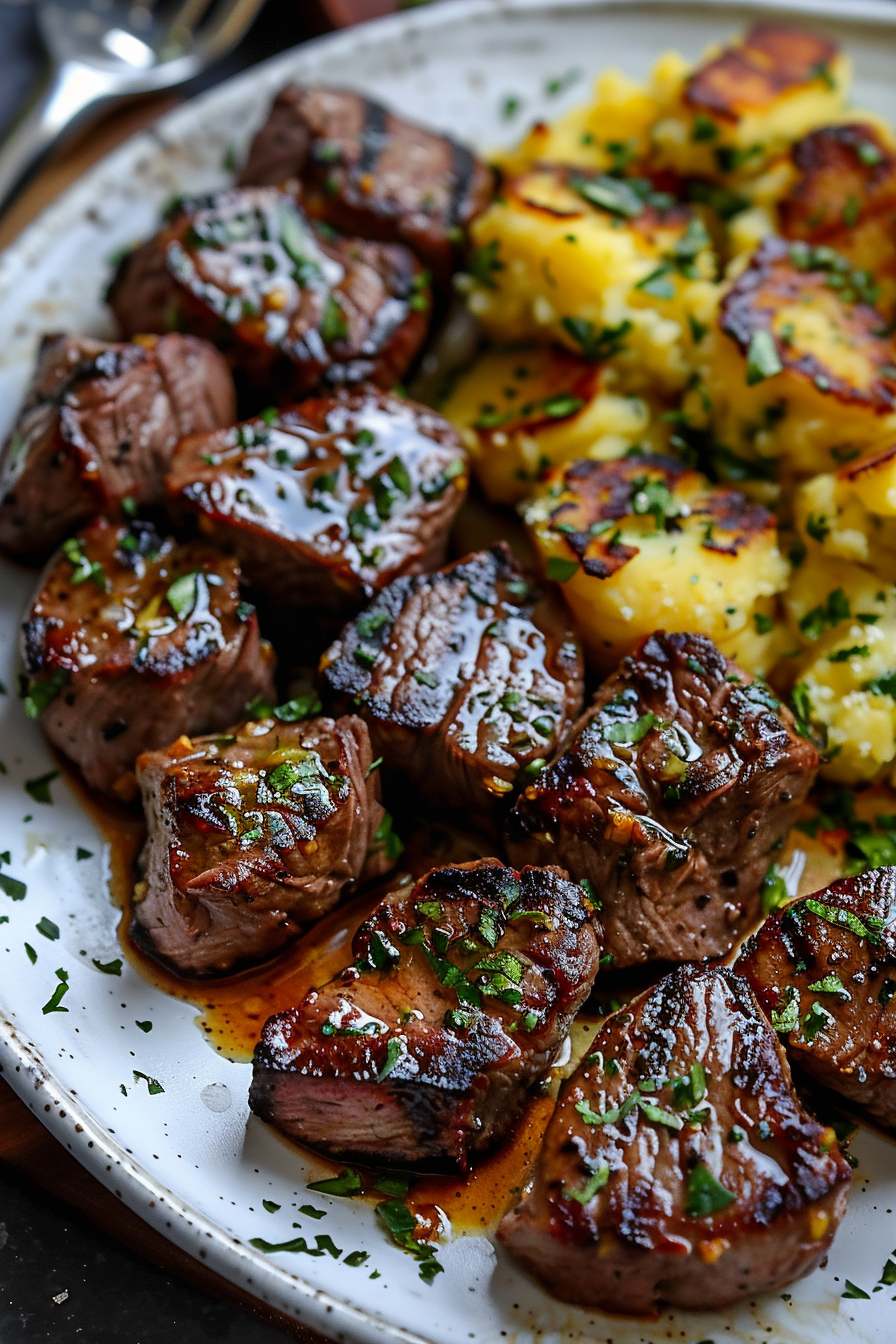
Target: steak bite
[824,969]
[465,677]
[459,1000]
[131,640]
[675,788]
[366,171]
[679,1167]
[99,425]
[331,499]
[252,836]
[291,304]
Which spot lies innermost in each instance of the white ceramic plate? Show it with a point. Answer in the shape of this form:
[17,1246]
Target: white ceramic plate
[189,1159]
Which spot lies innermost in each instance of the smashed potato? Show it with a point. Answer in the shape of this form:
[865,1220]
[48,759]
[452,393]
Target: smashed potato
[745,105]
[523,411]
[646,543]
[607,266]
[843,622]
[799,375]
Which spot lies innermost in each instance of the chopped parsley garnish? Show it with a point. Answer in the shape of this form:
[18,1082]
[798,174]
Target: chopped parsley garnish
[153,1086]
[401,1223]
[632,731]
[40,694]
[706,1195]
[817,1019]
[787,1015]
[39,789]
[596,343]
[346,1184]
[108,967]
[596,1181]
[47,928]
[845,919]
[836,609]
[763,360]
[183,594]
[560,569]
[614,194]
[12,887]
[85,568]
[54,1003]
[483,263]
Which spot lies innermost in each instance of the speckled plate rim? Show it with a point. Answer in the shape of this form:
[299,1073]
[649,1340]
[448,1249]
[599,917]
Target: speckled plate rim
[21,1063]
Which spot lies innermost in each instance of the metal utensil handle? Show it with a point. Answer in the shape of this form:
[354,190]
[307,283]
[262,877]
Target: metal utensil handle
[73,95]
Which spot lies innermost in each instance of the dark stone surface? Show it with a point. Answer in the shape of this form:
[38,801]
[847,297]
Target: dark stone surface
[46,1248]
[114,1297]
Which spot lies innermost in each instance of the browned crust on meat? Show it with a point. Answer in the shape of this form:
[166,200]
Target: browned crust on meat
[834,985]
[372,173]
[770,60]
[636,1243]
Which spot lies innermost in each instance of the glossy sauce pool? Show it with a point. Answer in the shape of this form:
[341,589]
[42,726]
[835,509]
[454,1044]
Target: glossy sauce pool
[232,1011]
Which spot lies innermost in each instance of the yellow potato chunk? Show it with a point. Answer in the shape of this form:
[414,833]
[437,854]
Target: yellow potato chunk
[852,515]
[523,411]
[843,194]
[745,105]
[646,543]
[844,617]
[799,376]
[584,258]
[611,131]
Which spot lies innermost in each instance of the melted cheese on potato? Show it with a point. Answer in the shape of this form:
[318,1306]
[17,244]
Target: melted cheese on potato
[571,257]
[646,543]
[523,411]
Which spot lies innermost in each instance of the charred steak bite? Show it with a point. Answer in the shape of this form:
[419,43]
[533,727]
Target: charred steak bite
[465,678]
[252,836]
[291,304]
[460,997]
[131,640]
[367,171]
[99,425]
[329,500]
[679,1167]
[824,969]
[674,789]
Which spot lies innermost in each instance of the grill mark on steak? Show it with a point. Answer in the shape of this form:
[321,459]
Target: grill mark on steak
[460,997]
[99,424]
[367,171]
[252,836]
[679,1167]
[292,305]
[464,678]
[120,660]
[824,968]
[330,500]
[669,797]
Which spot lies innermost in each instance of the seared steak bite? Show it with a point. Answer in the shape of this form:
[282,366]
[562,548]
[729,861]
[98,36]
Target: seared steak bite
[369,172]
[131,640]
[464,677]
[676,786]
[460,997]
[291,304]
[824,969]
[99,425]
[679,1167]
[331,499]
[252,836]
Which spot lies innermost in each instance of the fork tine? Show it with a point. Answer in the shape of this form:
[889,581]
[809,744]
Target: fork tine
[226,26]
[188,16]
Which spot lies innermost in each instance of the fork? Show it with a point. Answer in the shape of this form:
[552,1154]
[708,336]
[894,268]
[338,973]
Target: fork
[103,50]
